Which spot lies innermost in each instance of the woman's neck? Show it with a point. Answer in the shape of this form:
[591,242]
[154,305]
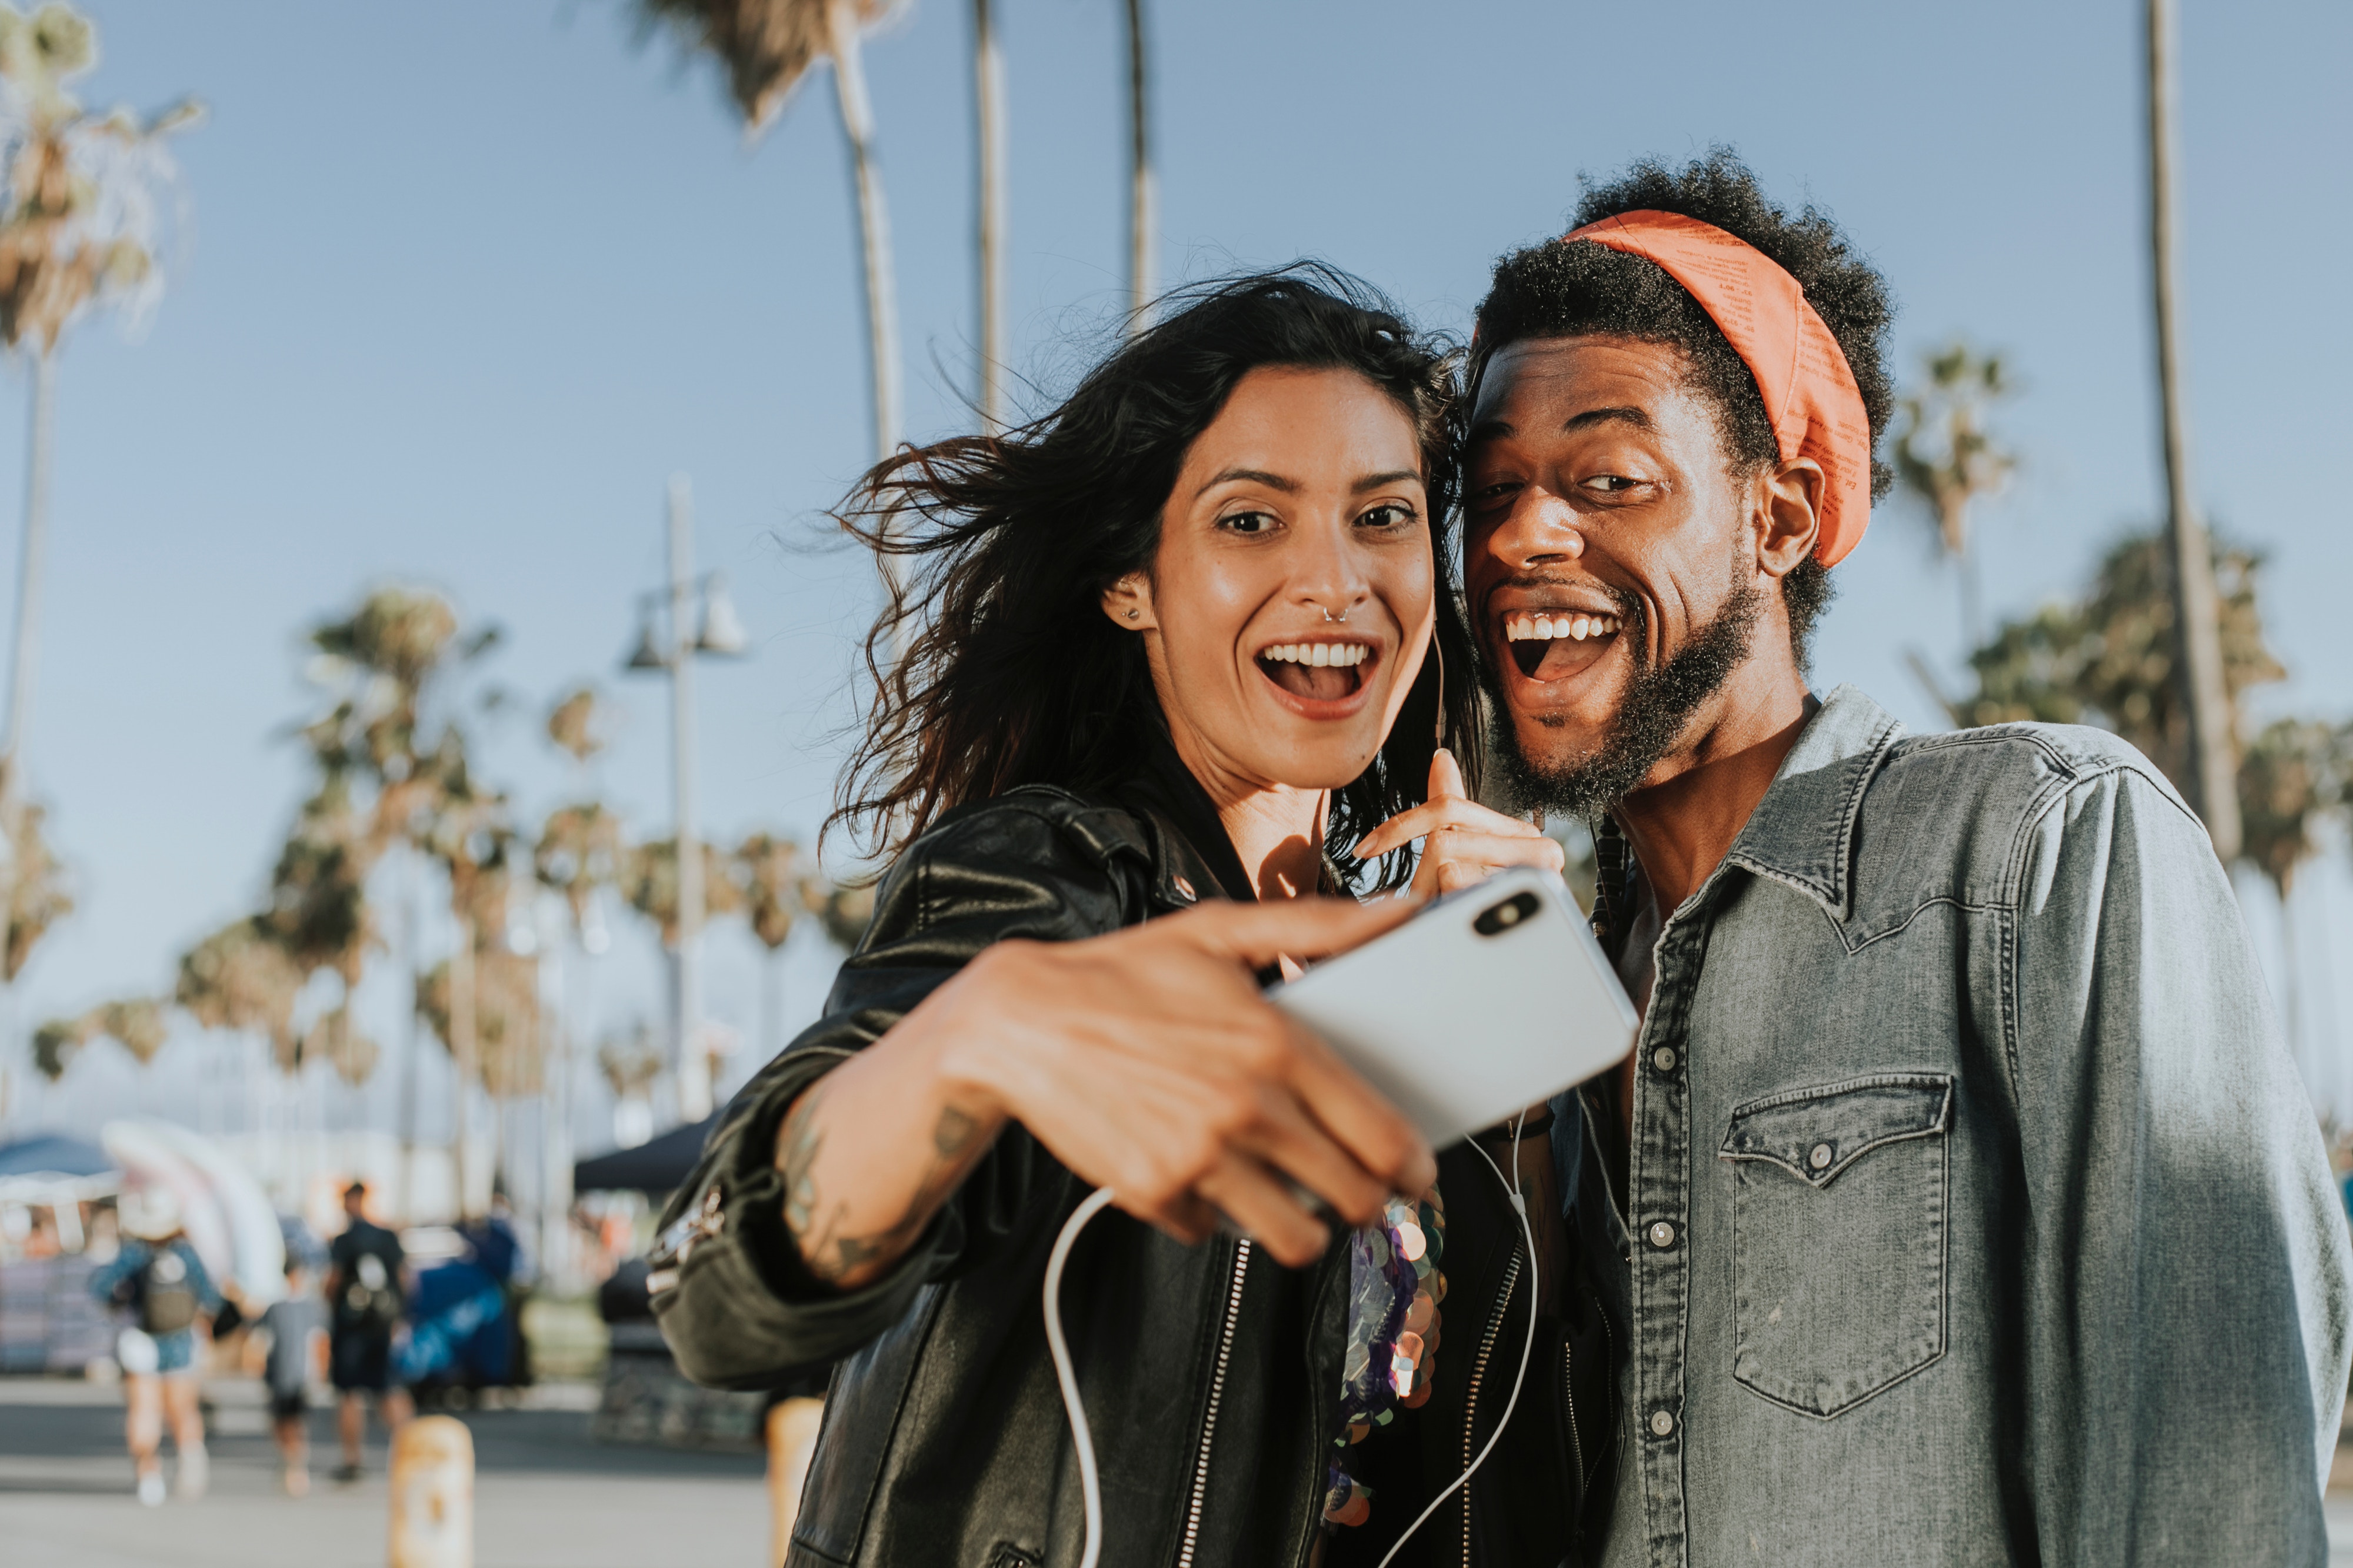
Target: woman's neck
[1279,834]
[1277,831]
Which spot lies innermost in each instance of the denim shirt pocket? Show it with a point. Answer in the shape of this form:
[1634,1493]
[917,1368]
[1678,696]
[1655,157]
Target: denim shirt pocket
[1837,1238]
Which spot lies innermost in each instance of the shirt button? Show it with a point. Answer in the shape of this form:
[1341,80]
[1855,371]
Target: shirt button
[1661,1423]
[1662,1235]
[1663,1058]
[1820,1158]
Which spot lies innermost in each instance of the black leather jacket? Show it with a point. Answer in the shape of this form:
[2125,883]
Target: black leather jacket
[1210,1373]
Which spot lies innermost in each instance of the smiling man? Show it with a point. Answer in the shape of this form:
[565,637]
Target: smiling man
[1960,1204]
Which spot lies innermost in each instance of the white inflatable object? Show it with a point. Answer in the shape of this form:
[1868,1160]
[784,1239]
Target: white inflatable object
[149,1161]
[258,1243]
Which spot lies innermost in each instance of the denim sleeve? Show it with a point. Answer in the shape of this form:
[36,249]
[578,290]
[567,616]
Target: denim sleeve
[2185,1260]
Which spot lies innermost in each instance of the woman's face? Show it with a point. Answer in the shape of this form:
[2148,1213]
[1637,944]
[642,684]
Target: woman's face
[1291,600]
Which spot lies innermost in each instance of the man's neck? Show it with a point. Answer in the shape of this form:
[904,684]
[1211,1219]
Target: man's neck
[1692,808]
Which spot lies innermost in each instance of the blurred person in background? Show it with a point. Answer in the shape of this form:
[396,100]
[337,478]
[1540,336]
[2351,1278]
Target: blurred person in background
[1165,645]
[366,1298]
[296,1328]
[157,1276]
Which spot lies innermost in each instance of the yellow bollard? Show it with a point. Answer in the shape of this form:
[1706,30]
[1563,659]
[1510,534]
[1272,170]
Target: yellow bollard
[433,1494]
[792,1439]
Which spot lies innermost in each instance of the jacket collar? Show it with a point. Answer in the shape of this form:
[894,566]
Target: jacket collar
[1803,833]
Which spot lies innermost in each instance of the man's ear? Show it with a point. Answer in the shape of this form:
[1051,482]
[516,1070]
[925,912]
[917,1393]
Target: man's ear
[1128,603]
[1788,516]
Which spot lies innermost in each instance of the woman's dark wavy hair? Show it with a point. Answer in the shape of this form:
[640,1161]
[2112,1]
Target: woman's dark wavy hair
[994,663]
[1556,289]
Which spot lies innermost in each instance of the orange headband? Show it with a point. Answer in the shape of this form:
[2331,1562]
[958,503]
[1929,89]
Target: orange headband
[1810,397]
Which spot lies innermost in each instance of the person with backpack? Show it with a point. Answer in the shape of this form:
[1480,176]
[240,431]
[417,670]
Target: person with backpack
[166,1291]
[365,1302]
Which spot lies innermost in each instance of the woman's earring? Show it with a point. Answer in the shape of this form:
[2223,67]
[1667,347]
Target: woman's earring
[1134,615]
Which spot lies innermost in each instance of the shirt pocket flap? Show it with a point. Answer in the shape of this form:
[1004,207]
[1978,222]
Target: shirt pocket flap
[1816,1133]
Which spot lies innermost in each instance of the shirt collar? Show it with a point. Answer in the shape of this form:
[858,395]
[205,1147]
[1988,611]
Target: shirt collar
[1803,833]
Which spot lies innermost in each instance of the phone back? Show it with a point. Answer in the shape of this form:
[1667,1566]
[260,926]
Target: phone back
[1491,999]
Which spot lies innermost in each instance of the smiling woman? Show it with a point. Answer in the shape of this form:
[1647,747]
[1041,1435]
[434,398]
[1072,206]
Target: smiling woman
[1160,652]
[1279,427]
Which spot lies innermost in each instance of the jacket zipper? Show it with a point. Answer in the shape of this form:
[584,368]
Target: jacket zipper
[1217,1392]
[1568,1395]
[1478,1375]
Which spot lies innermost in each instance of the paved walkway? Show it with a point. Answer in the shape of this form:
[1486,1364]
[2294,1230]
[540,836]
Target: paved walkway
[545,1494]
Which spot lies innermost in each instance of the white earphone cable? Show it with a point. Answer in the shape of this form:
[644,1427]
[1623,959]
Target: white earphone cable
[1090,1487]
[1527,1347]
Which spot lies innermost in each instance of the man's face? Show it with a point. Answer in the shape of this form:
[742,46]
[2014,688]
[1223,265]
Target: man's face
[1610,573]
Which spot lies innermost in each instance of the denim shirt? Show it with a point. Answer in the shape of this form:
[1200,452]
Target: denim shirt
[1977,1215]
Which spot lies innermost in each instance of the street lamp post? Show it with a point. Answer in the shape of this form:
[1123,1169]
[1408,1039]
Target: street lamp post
[699,619]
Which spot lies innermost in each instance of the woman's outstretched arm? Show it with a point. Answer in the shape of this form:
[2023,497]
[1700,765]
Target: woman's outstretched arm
[1145,1062]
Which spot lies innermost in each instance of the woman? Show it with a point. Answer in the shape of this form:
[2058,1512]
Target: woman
[158,1276]
[1164,647]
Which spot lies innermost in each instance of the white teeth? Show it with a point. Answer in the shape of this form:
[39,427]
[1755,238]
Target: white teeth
[1524,626]
[1319,655]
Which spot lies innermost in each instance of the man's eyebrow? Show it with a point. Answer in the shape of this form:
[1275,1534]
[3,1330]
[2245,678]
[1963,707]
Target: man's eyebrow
[1375,482]
[1255,476]
[1490,430]
[1622,416]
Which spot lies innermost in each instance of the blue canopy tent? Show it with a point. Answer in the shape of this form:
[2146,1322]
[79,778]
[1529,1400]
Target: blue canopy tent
[53,1154]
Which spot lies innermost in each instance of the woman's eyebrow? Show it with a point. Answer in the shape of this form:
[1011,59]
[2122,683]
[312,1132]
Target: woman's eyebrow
[1255,476]
[1375,482]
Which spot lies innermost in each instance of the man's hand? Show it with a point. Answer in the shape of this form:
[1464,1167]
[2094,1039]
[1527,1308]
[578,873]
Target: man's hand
[1464,843]
[1148,1062]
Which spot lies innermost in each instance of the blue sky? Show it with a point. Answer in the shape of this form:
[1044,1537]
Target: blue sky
[468,282]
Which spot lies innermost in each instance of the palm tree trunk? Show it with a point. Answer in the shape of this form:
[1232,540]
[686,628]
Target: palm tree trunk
[988,99]
[874,225]
[37,442]
[462,1054]
[2214,753]
[874,233]
[1142,194]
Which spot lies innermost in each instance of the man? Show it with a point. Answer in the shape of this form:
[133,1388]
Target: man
[1960,1204]
[365,1303]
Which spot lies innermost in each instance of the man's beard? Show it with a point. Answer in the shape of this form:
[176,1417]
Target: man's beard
[1659,703]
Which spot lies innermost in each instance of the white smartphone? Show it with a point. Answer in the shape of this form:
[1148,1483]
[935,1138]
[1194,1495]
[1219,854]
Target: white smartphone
[1491,999]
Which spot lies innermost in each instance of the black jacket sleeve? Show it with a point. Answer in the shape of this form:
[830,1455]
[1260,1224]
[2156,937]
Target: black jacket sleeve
[735,1302]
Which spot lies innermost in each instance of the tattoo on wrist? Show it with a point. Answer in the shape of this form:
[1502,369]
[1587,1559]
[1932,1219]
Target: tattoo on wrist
[831,1252]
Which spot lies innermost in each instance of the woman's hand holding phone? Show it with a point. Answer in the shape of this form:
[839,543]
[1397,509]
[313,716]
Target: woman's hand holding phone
[1145,1061]
[1464,843]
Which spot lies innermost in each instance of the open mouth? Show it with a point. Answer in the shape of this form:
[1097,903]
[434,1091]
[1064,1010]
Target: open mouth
[1318,671]
[1553,644]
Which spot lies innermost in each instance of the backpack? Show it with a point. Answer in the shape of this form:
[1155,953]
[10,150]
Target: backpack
[370,1300]
[167,1302]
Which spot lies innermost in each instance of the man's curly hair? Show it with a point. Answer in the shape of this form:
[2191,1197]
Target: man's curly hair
[1556,289]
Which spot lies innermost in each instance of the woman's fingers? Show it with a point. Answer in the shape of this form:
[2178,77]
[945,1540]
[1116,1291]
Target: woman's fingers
[1246,1192]
[1466,860]
[1453,814]
[1256,935]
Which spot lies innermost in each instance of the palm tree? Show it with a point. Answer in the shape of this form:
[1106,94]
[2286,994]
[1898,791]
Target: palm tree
[1142,194]
[1947,458]
[2110,660]
[989,107]
[2209,780]
[766,46]
[2290,779]
[137,1024]
[769,874]
[78,227]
